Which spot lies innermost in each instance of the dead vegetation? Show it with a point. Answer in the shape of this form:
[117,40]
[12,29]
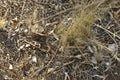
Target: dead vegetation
[59,40]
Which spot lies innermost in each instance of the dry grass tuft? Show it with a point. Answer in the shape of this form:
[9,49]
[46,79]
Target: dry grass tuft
[80,30]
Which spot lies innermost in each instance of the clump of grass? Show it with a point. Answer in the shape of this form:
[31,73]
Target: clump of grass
[80,30]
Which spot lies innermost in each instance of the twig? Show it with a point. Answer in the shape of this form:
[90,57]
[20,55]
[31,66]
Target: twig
[105,48]
[99,26]
[70,9]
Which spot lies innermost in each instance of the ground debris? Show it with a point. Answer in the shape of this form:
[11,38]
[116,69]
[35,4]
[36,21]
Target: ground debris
[59,40]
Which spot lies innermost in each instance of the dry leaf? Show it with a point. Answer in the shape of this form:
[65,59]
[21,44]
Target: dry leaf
[50,70]
[3,23]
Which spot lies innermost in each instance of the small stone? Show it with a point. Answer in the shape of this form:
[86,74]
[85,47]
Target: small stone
[34,59]
[27,45]
[112,47]
[107,63]
[10,66]
[26,30]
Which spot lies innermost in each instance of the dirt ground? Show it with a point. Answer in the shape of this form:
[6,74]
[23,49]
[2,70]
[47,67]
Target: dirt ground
[59,40]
